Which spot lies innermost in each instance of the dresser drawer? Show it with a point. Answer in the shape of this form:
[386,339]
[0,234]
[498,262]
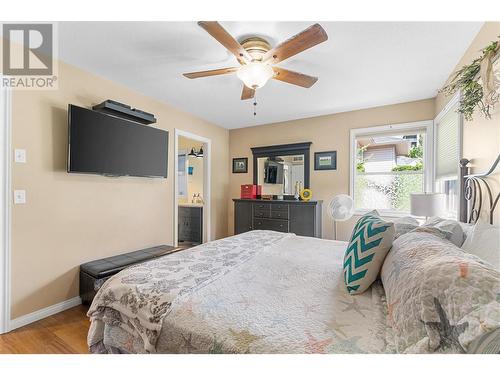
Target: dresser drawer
[279,207]
[261,206]
[279,214]
[261,212]
[271,224]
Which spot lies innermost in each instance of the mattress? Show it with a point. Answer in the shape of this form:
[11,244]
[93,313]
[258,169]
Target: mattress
[281,293]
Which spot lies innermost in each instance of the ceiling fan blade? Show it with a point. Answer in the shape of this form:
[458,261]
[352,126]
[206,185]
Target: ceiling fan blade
[224,38]
[247,93]
[308,38]
[208,73]
[294,78]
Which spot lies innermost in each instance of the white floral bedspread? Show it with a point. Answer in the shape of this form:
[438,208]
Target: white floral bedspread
[280,293]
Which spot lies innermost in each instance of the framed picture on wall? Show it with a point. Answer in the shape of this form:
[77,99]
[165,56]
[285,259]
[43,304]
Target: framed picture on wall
[326,160]
[240,165]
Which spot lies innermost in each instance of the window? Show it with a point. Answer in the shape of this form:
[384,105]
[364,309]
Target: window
[447,132]
[388,163]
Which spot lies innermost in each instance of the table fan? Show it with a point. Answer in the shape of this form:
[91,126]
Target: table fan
[340,208]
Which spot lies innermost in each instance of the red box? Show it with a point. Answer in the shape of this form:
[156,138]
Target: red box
[250,191]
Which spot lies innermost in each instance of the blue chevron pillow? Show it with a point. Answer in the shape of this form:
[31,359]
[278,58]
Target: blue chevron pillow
[370,242]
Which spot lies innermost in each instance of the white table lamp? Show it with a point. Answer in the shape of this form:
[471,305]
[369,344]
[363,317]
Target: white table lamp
[427,204]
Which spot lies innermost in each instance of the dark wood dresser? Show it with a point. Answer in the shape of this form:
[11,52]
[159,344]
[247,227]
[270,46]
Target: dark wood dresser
[301,218]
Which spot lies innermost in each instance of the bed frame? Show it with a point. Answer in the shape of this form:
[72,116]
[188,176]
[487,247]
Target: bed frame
[476,192]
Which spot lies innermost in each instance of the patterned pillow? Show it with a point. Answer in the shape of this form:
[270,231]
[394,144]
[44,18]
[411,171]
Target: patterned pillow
[370,242]
[439,298]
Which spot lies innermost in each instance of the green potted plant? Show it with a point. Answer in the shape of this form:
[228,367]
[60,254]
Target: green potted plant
[474,94]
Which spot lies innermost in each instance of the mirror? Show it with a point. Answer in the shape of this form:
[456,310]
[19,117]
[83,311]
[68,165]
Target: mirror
[278,168]
[279,175]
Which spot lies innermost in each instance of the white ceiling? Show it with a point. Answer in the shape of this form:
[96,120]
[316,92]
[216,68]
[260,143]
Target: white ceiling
[362,65]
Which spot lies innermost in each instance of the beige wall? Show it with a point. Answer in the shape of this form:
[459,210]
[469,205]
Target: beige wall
[70,219]
[326,133]
[481,137]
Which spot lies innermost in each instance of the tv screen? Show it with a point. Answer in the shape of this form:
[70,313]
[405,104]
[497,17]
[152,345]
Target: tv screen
[108,145]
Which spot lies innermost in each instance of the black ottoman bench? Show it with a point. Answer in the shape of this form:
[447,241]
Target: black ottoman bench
[94,274]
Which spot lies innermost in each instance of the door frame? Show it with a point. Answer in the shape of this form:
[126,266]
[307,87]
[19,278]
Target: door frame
[5,220]
[207,173]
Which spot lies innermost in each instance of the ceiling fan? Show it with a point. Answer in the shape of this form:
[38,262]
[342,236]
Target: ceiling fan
[257,58]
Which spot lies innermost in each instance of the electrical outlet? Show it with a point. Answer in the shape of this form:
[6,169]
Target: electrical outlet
[20,155]
[19,196]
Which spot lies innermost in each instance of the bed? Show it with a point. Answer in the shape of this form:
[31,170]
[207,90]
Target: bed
[272,292]
[257,292]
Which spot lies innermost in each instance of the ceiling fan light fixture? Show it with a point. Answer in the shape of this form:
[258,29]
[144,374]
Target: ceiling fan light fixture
[255,74]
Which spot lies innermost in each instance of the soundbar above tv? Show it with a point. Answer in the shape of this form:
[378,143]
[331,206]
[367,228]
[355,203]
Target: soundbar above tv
[107,145]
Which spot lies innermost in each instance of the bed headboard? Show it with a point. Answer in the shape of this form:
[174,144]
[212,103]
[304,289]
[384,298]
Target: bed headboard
[476,194]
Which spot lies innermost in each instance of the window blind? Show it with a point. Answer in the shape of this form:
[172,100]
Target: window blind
[447,147]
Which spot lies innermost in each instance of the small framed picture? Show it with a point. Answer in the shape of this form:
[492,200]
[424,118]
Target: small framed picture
[326,160]
[240,165]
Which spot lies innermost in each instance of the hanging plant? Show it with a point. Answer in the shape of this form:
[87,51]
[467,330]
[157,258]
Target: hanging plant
[473,93]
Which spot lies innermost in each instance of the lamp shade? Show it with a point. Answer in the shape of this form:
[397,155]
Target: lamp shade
[427,204]
[255,74]
[200,153]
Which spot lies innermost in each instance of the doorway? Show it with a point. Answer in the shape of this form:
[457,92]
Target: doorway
[192,224]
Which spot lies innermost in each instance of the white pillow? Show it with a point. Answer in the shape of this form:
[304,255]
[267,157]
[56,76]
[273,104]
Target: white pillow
[404,225]
[484,242]
[451,228]
[467,228]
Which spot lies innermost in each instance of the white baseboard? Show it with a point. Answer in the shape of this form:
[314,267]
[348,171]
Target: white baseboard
[44,313]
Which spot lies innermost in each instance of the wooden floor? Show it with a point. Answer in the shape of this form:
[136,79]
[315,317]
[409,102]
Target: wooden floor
[62,333]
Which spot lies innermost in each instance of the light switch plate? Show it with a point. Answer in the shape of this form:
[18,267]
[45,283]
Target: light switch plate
[20,155]
[19,196]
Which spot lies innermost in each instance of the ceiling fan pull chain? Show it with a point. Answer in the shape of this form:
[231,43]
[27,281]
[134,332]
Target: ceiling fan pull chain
[255,104]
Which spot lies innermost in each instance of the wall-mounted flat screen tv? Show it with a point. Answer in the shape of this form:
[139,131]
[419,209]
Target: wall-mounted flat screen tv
[108,145]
